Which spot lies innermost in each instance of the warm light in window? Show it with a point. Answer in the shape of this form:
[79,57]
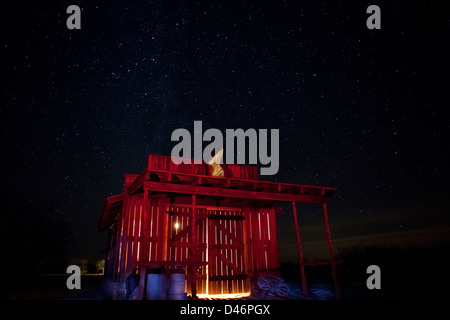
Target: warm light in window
[176,225]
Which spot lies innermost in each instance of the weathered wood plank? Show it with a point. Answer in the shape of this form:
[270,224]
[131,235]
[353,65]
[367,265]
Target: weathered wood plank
[232,193]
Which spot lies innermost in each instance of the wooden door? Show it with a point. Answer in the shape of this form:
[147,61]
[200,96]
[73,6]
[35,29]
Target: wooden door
[225,252]
[220,248]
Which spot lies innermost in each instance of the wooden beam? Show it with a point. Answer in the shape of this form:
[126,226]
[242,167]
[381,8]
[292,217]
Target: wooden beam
[233,193]
[138,183]
[219,181]
[119,237]
[194,250]
[300,252]
[165,236]
[124,241]
[220,217]
[186,245]
[184,232]
[227,246]
[143,255]
[142,282]
[226,261]
[337,290]
[159,263]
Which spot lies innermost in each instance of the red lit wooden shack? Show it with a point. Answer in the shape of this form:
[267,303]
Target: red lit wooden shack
[220,231]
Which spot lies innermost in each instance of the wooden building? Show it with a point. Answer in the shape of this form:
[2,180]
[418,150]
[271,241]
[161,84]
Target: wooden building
[233,239]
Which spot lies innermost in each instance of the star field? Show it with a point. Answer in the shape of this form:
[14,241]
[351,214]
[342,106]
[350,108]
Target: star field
[361,110]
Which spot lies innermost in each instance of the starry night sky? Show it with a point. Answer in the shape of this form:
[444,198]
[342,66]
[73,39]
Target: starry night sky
[361,110]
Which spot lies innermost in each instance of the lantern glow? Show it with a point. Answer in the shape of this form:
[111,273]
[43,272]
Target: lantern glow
[223,296]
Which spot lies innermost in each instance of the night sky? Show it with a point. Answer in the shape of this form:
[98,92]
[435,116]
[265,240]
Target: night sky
[365,111]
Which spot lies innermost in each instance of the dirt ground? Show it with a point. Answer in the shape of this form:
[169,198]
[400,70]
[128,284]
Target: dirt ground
[53,287]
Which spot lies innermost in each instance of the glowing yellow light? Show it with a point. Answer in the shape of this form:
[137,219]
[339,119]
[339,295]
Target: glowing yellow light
[224,296]
[176,225]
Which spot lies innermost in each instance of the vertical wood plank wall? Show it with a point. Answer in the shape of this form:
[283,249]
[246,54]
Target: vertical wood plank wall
[260,227]
[179,234]
[225,257]
[131,232]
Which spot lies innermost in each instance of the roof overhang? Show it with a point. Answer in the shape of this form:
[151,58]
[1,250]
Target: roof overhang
[111,209]
[159,183]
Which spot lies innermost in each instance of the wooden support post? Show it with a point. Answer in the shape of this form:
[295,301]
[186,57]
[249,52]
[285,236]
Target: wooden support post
[337,290]
[300,252]
[165,235]
[194,250]
[124,243]
[142,283]
[119,222]
[145,239]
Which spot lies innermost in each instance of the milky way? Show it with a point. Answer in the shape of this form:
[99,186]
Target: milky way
[361,110]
